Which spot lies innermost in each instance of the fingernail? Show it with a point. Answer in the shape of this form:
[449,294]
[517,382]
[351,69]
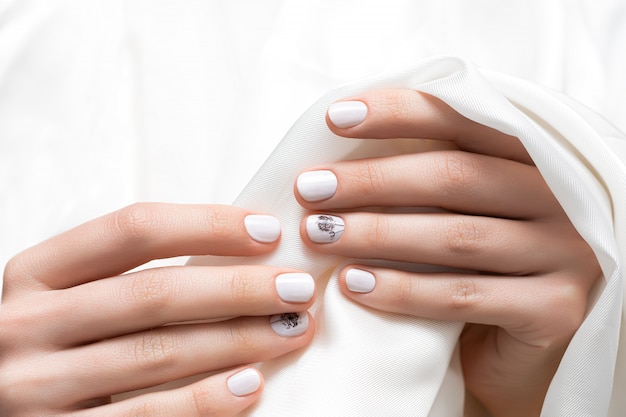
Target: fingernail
[244,382]
[316,185]
[290,324]
[262,228]
[324,228]
[361,281]
[295,287]
[344,114]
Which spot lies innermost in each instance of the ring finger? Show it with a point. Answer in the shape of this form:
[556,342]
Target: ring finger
[169,353]
[517,304]
[453,240]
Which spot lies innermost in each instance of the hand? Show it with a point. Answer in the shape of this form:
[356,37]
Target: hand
[73,331]
[498,218]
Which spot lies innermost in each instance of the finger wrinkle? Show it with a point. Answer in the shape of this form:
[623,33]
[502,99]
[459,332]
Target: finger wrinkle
[463,293]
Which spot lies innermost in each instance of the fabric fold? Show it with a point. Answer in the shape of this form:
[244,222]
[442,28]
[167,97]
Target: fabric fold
[365,362]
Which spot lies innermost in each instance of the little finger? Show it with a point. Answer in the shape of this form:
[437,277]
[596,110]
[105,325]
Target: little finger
[538,310]
[225,394]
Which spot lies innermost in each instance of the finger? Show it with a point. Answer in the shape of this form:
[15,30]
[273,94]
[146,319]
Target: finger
[470,242]
[122,240]
[402,113]
[225,394]
[536,310]
[154,297]
[452,180]
[170,353]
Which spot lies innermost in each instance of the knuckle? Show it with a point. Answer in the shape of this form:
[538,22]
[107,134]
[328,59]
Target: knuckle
[15,271]
[149,292]
[156,350]
[458,173]
[567,304]
[370,177]
[243,340]
[398,104]
[7,389]
[20,390]
[12,269]
[244,288]
[12,333]
[378,232]
[563,309]
[220,223]
[135,222]
[10,326]
[583,260]
[463,236]
[403,291]
[17,325]
[463,293]
[203,398]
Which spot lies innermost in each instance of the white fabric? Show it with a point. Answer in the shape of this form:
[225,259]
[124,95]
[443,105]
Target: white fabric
[366,363]
[106,102]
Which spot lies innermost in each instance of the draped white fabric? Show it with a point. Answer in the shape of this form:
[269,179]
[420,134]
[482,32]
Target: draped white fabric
[106,102]
[367,363]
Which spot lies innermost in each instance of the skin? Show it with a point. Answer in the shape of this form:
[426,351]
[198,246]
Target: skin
[75,328]
[534,271]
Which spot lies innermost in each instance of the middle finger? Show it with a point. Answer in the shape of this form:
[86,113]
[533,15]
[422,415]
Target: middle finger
[452,180]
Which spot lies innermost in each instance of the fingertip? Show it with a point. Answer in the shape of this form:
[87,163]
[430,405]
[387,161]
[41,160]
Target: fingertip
[357,280]
[262,228]
[346,114]
[291,325]
[319,230]
[317,185]
[295,287]
[245,382]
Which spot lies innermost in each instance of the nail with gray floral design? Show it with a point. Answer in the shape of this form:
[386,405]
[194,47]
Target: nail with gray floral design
[324,228]
[290,324]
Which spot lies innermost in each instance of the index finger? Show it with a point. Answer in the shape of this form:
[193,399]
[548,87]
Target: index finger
[404,113]
[132,236]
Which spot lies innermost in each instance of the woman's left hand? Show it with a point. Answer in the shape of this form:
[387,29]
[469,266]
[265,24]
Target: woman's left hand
[534,272]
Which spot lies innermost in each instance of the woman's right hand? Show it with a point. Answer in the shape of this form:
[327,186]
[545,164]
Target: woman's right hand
[75,328]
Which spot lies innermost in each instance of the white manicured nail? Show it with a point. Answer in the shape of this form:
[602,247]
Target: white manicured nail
[324,228]
[244,382]
[346,114]
[290,324]
[358,280]
[295,287]
[262,228]
[316,185]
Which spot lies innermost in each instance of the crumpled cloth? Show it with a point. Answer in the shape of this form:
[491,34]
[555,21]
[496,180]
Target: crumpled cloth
[369,363]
